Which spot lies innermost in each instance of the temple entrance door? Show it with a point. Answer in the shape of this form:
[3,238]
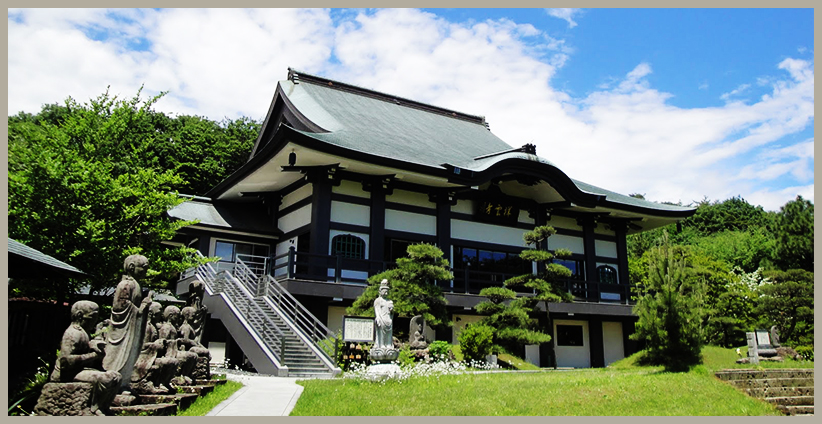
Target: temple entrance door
[572,344]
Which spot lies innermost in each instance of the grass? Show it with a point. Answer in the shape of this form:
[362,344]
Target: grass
[515,362]
[203,405]
[622,389]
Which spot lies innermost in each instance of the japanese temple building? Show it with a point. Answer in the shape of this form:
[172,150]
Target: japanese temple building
[342,179]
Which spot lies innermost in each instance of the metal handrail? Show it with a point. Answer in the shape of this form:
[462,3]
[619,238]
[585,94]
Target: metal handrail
[312,327]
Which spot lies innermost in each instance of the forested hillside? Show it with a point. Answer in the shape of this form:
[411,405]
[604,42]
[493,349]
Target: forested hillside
[755,267]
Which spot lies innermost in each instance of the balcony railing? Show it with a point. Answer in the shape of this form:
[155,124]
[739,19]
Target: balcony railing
[328,268]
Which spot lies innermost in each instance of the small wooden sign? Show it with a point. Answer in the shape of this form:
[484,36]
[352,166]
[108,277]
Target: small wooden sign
[358,329]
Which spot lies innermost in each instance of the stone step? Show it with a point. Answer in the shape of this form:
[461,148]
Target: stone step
[745,374]
[200,390]
[182,400]
[218,382]
[154,409]
[790,400]
[796,410]
[763,392]
[773,382]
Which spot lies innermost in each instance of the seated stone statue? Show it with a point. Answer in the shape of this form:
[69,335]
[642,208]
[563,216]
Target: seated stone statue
[188,337]
[176,346]
[153,371]
[80,361]
[416,339]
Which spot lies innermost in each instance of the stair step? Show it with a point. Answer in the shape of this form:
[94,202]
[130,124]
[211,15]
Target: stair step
[773,382]
[729,375]
[796,410]
[791,400]
[155,409]
[764,392]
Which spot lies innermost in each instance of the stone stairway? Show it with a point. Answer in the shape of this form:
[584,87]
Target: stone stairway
[164,405]
[790,390]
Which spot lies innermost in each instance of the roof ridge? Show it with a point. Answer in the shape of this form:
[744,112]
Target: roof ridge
[296,77]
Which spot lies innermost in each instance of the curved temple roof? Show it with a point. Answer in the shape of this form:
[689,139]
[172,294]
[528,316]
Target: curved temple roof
[356,122]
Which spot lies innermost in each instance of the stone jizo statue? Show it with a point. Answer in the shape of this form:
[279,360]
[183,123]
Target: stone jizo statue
[80,361]
[176,346]
[415,330]
[153,371]
[128,321]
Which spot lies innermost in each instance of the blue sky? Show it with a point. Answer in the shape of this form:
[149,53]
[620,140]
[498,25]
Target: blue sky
[676,104]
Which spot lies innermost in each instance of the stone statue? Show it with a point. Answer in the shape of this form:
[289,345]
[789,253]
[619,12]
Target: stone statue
[80,361]
[384,345]
[124,338]
[196,291]
[176,347]
[153,371]
[775,336]
[188,336]
[416,339]
[383,353]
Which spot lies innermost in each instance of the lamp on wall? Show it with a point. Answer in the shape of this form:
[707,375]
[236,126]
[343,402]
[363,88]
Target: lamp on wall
[292,158]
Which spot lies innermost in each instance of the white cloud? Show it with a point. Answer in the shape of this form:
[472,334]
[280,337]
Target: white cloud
[625,136]
[565,13]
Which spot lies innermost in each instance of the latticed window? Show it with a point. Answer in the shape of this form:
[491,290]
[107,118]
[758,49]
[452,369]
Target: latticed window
[348,246]
[607,274]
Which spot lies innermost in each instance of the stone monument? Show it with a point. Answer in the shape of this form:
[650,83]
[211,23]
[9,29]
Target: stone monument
[124,338]
[78,385]
[383,354]
[416,339]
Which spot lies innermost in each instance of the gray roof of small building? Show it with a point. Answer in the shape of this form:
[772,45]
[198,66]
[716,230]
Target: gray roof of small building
[27,256]
[246,217]
[391,127]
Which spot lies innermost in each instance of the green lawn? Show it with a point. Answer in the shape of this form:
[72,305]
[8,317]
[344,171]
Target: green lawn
[624,389]
[205,404]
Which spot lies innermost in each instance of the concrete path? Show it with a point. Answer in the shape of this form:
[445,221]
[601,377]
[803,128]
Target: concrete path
[260,396]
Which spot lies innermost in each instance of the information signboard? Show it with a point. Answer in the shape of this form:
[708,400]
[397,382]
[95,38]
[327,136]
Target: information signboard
[358,329]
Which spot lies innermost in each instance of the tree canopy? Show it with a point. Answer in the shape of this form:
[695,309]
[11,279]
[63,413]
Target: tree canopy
[90,183]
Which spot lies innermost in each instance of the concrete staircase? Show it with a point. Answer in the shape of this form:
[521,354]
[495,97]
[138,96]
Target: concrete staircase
[277,333]
[790,390]
[297,355]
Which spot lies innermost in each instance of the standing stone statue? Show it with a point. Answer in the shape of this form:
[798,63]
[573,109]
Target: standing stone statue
[383,352]
[196,292]
[128,321]
[80,361]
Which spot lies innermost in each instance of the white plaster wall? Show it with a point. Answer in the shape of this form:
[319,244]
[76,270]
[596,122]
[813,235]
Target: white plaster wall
[295,196]
[335,318]
[411,222]
[351,188]
[605,248]
[564,222]
[463,206]
[477,231]
[525,218]
[349,213]
[574,356]
[295,219]
[603,229]
[612,342]
[281,249]
[574,244]
[460,321]
[410,198]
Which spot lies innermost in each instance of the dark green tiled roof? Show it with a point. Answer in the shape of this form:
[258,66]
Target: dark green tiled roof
[245,217]
[384,126]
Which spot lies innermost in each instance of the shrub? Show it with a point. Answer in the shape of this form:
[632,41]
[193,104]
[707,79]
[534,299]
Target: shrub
[806,352]
[406,358]
[440,350]
[476,341]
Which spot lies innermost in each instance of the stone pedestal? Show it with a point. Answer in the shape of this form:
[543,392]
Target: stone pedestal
[202,371]
[379,372]
[65,399]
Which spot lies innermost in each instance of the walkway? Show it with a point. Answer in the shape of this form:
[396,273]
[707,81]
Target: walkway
[260,396]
